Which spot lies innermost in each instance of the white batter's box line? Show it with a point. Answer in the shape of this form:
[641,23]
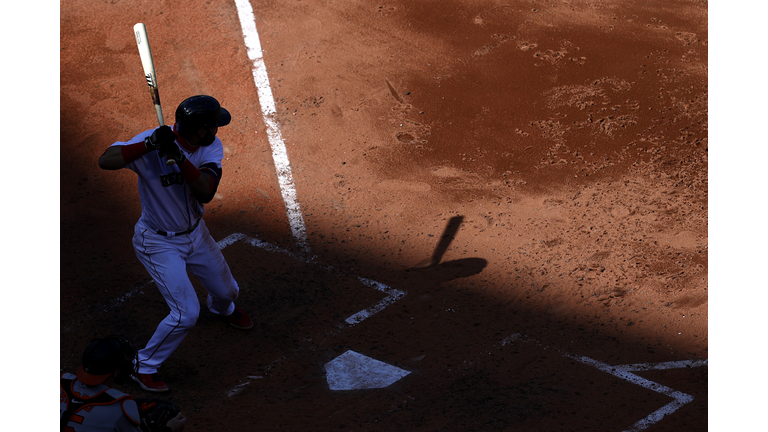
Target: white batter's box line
[118,302]
[625,372]
[233,238]
[392,294]
[663,366]
[238,388]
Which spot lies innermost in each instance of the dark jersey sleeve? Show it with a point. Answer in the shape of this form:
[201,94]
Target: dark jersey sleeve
[215,172]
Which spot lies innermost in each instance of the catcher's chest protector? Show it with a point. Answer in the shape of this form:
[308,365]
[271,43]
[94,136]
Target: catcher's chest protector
[76,405]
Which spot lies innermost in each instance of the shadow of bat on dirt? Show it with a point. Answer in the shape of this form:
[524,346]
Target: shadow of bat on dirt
[438,272]
[450,270]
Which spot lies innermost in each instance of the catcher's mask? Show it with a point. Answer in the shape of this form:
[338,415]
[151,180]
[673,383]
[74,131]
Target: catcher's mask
[106,355]
[200,112]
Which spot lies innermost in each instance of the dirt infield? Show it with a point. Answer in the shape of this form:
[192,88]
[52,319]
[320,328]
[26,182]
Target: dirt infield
[549,158]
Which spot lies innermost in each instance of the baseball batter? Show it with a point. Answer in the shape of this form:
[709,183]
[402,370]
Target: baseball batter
[179,170]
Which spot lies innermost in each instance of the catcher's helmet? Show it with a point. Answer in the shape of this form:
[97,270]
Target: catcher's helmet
[200,112]
[104,356]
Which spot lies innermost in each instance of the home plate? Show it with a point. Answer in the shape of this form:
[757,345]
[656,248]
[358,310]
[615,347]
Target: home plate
[354,371]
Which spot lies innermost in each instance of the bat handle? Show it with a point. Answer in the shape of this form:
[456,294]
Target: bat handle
[159,112]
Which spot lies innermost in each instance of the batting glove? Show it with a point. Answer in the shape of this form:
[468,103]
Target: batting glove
[172,151]
[161,135]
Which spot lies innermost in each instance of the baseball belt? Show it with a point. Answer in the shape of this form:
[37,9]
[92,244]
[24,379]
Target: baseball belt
[171,234]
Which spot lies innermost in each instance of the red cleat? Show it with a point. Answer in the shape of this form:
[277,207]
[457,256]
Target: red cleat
[239,319]
[149,382]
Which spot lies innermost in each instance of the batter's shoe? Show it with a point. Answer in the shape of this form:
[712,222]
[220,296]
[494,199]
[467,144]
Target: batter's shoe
[239,319]
[149,382]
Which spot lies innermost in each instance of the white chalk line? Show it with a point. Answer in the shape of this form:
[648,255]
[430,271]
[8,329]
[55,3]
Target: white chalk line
[665,365]
[269,113]
[233,238]
[622,372]
[238,388]
[625,372]
[392,294]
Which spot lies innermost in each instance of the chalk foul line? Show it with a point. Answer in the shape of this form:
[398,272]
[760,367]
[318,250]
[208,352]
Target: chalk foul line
[269,114]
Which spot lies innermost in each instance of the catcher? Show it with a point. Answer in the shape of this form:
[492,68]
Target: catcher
[88,404]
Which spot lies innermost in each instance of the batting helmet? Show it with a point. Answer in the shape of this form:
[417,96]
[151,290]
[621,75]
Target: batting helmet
[200,112]
[104,356]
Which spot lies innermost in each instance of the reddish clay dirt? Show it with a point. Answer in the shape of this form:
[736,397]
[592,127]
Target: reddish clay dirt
[564,143]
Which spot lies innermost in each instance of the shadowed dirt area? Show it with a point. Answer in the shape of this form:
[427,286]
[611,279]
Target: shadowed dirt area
[532,175]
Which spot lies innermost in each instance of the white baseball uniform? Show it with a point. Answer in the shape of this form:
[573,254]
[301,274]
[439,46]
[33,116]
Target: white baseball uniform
[171,238]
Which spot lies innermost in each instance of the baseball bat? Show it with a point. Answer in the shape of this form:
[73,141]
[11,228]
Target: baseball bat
[142,41]
[140,30]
